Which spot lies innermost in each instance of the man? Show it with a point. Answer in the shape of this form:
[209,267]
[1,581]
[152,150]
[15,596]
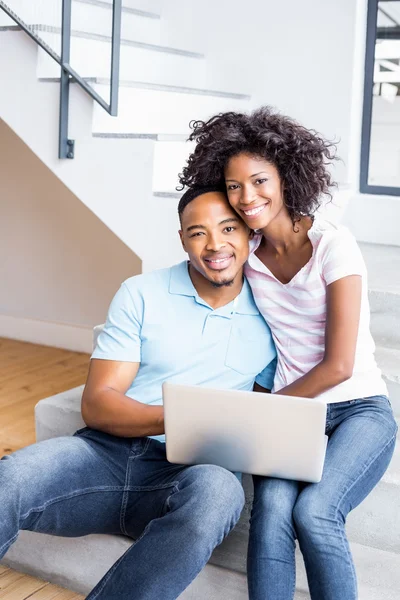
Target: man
[194,323]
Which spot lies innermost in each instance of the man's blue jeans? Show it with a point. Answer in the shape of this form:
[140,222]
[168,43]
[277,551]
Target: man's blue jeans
[93,482]
[362,436]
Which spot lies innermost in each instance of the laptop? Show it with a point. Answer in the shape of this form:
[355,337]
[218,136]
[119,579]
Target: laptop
[247,432]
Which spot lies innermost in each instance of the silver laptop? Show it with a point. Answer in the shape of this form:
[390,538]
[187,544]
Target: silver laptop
[248,432]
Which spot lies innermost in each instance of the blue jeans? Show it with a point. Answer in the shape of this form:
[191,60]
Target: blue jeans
[93,482]
[362,436]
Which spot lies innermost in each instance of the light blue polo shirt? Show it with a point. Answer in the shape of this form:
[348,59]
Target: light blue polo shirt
[158,320]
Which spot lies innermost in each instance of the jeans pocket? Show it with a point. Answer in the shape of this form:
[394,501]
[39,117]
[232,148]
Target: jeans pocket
[381,399]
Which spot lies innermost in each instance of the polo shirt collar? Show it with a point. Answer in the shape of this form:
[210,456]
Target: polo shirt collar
[181,284]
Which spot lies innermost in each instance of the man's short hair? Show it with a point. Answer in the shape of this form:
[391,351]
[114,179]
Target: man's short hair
[193,192]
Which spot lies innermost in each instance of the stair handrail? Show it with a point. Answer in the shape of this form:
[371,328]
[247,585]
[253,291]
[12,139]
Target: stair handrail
[66,146]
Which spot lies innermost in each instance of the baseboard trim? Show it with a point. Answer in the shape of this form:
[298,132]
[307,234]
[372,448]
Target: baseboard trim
[58,335]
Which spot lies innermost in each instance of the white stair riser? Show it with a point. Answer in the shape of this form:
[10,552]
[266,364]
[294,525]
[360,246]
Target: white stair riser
[382,302]
[388,360]
[394,395]
[385,326]
[33,12]
[169,159]
[5,20]
[90,18]
[133,27]
[376,522]
[153,6]
[153,111]
[91,58]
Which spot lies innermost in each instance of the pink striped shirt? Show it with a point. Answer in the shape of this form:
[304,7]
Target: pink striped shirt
[296,311]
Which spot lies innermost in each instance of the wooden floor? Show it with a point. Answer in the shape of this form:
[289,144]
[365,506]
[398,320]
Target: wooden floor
[16,586]
[28,373]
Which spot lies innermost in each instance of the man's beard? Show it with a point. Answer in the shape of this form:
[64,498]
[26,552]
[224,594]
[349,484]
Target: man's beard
[222,283]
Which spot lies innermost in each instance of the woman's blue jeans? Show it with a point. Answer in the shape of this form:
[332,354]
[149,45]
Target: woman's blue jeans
[362,436]
[93,482]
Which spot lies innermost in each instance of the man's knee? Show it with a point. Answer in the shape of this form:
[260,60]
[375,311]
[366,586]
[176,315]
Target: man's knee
[218,494]
[31,473]
[218,486]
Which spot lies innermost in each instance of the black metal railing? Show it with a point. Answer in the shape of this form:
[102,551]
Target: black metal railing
[66,146]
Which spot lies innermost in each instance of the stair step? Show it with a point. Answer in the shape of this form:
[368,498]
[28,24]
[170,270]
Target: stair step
[388,360]
[376,522]
[139,61]
[176,195]
[377,571]
[91,16]
[163,110]
[128,7]
[217,583]
[169,160]
[154,6]
[95,17]
[385,317]
[174,89]
[145,85]
[86,35]
[55,559]
[383,264]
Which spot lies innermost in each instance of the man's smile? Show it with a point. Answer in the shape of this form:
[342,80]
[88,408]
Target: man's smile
[219,262]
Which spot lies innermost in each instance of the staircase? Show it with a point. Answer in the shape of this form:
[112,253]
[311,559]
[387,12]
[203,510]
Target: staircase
[125,167]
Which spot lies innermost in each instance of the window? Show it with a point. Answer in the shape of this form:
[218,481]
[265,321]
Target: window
[380,145]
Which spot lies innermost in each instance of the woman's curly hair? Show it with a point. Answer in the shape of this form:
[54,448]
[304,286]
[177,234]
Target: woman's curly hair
[301,155]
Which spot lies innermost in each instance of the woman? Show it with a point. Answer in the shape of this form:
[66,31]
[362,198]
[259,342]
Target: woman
[309,281]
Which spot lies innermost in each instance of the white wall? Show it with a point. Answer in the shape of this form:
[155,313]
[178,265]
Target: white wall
[60,265]
[295,55]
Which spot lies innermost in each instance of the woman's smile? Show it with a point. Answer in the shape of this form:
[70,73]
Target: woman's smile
[253,213]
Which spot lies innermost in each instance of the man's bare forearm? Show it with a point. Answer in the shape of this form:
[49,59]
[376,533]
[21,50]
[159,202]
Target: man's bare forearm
[112,412]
